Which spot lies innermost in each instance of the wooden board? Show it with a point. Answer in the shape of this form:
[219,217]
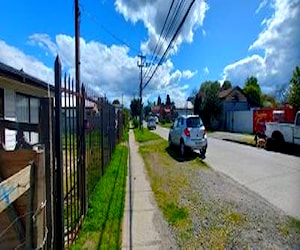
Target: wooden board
[12,162]
[14,187]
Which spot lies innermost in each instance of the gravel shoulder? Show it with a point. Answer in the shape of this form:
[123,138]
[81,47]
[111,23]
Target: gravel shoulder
[221,212]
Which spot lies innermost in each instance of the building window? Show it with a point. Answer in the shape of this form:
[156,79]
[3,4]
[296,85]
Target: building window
[1,114]
[28,111]
[22,108]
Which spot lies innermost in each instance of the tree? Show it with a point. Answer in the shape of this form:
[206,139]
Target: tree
[135,107]
[197,104]
[116,101]
[268,101]
[192,96]
[253,92]
[294,93]
[226,85]
[158,101]
[210,104]
[168,101]
[147,108]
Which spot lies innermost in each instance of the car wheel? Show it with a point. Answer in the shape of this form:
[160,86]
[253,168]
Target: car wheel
[182,148]
[202,153]
[170,142]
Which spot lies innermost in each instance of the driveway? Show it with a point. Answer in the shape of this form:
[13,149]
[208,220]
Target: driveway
[275,176]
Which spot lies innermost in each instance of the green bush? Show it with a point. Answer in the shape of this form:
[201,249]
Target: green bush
[135,122]
[162,121]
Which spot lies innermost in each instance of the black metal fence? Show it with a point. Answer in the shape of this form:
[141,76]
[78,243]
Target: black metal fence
[79,131]
[87,129]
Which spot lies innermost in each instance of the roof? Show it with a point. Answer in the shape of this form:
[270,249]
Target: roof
[224,93]
[155,109]
[21,76]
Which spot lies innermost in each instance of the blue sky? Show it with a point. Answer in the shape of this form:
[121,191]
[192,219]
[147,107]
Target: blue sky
[220,40]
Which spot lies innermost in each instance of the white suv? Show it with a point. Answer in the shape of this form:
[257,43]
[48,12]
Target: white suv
[188,132]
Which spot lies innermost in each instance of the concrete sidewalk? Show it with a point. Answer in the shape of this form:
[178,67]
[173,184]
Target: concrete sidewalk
[143,224]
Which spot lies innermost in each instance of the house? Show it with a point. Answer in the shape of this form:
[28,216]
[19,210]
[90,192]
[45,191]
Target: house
[155,110]
[233,99]
[19,101]
[163,112]
[187,109]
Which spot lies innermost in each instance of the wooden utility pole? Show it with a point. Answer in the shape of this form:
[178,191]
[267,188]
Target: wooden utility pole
[77,46]
[141,64]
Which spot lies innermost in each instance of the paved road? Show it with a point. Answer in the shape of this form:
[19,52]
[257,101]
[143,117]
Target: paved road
[274,176]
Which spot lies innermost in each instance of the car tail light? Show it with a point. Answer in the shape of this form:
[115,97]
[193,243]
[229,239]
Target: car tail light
[187,132]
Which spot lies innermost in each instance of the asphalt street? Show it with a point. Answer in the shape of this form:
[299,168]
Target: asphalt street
[274,176]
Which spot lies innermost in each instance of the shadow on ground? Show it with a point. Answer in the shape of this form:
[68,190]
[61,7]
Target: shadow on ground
[287,148]
[174,153]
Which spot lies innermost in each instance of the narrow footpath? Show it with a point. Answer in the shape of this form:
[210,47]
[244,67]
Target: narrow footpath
[143,224]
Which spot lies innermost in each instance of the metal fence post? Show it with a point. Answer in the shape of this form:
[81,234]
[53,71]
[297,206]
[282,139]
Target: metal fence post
[102,135]
[83,147]
[59,216]
[46,115]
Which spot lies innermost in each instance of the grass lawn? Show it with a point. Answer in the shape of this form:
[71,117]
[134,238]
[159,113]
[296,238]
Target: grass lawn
[143,135]
[102,226]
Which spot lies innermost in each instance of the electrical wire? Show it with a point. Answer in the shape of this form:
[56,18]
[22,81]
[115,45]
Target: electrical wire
[166,34]
[160,37]
[115,37]
[170,43]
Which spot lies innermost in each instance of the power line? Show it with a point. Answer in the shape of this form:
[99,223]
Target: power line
[160,36]
[169,46]
[170,28]
[114,36]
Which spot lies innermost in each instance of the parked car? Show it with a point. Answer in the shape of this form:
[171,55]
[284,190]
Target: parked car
[151,124]
[279,133]
[188,132]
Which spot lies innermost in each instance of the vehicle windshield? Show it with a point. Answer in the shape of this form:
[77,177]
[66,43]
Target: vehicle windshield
[194,122]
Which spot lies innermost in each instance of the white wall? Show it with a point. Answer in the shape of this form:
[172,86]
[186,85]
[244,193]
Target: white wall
[240,121]
[10,114]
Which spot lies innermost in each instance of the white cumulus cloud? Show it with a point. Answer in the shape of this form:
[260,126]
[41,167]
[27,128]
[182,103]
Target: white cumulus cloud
[18,59]
[279,42]
[206,71]
[108,70]
[153,15]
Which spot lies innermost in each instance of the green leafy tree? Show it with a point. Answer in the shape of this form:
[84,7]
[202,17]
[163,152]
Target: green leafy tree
[210,104]
[158,101]
[135,107]
[168,100]
[226,85]
[268,101]
[147,109]
[294,93]
[116,101]
[253,92]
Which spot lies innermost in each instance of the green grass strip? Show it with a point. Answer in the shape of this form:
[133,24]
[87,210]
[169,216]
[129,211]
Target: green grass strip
[143,135]
[102,225]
